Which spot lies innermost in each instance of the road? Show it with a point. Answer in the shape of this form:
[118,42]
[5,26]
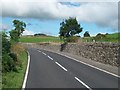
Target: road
[51,70]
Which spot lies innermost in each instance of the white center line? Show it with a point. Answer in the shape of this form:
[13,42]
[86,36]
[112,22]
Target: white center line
[38,51]
[61,66]
[90,65]
[50,58]
[43,53]
[83,83]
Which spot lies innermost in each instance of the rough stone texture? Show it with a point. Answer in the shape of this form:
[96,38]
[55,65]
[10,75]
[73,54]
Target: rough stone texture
[107,53]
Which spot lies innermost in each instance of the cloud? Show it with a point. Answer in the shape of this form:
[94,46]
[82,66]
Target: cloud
[4,27]
[28,32]
[103,14]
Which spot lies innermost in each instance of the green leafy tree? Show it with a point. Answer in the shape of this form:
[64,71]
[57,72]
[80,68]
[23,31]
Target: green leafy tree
[5,43]
[8,60]
[14,35]
[69,28]
[86,34]
[19,28]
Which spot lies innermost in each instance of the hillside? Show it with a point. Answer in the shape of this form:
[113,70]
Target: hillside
[106,38]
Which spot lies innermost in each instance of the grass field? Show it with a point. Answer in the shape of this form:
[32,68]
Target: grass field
[15,79]
[115,37]
[35,39]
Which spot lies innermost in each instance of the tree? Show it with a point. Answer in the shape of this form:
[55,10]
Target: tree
[8,58]
[40,34]
[19,28]
[69,27]
[86,34]
[14,35]
[5,43]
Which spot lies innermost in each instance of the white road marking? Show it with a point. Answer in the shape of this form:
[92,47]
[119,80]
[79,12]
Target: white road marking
[61,66]
[83,83]
[91,65]
[38,50]
[26,74]
[43,53]
[50,58]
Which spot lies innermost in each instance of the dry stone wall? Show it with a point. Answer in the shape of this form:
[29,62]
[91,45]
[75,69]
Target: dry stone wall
[107,53]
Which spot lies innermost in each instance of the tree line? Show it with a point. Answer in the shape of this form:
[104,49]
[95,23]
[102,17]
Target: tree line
[69,28]
[9,58]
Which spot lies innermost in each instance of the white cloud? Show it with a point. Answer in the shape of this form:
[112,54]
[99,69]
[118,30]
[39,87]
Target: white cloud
[90,0]
[27,32]
[4,27]
[103,13]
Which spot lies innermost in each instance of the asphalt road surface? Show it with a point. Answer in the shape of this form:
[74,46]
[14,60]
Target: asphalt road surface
[51,70]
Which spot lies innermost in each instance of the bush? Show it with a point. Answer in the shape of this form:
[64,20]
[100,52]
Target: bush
[18,49]
[8,59]
[72,39]
[99,36]
[8,63]
[86,34]
[63,46]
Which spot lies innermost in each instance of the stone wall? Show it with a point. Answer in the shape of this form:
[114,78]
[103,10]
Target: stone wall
[107,53]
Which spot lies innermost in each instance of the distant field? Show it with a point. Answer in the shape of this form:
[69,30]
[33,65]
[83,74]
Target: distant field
[35,39]
[115,37]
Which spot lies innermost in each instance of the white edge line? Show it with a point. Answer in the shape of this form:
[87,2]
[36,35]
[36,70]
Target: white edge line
[26,74]
[61,66]
[89,65]
[83,83]
[50,58]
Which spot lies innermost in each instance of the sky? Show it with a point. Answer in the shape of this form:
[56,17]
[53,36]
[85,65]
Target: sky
[45,16]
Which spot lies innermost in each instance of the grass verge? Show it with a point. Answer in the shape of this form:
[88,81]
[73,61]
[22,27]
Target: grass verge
[15,79]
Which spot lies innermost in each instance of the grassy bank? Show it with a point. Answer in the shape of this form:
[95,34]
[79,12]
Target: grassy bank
[35,39]
[108,38]
[15,79]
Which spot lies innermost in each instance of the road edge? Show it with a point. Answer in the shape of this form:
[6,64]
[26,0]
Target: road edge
[86,64]
[26,73]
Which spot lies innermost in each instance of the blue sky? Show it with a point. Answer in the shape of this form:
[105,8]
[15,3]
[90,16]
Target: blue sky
[93,17]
